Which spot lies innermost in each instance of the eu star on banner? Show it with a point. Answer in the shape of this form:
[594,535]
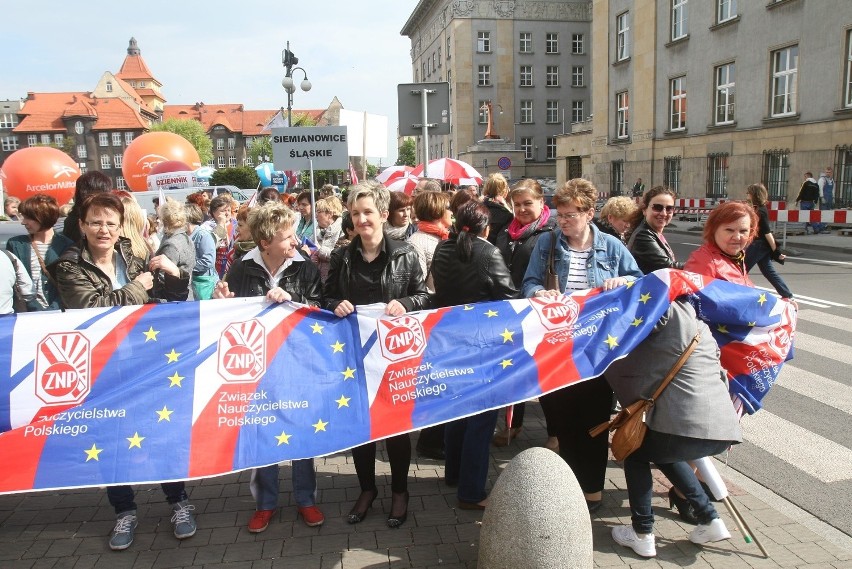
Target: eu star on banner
[187,390]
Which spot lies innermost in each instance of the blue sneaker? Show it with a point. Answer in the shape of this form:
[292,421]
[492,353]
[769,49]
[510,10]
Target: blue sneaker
[122,534]
[183,520]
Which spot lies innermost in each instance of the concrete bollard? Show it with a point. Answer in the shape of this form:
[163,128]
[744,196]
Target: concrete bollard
[536,517]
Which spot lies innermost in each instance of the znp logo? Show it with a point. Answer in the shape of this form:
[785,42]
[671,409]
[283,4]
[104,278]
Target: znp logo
[63,368]
[556,313]
[241,357]
[401,338]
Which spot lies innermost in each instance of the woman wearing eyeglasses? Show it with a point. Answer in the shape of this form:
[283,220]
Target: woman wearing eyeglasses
[584,258]
[647,243]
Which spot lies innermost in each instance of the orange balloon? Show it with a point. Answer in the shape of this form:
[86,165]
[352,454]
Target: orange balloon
[150,149]
[40,170]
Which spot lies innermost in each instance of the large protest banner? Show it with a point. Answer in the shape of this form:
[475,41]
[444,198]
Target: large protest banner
[186,390]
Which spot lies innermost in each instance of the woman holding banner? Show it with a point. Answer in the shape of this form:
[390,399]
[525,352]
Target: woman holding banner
[376,269]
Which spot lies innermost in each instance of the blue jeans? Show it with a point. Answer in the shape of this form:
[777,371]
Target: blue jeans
[817,227]
[264,484]
[467,446]
[827,200]
[121,497]
[759,253]
[670,453]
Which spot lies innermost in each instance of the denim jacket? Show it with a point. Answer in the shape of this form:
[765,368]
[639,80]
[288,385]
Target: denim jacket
[611,259]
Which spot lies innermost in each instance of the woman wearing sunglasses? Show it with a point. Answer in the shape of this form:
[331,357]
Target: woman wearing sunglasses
[648,245]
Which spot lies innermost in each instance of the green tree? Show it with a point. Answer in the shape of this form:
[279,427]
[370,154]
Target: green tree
[372,170]
[193,131]
[261,148]
[407,153]
[241,177]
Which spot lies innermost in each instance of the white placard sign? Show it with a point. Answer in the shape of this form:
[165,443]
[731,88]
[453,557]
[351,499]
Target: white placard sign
[294,148]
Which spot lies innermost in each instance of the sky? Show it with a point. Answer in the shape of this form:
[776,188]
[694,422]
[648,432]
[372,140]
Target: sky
[216,52]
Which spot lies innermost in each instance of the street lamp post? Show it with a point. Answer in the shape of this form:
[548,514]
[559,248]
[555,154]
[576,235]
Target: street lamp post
[289,60]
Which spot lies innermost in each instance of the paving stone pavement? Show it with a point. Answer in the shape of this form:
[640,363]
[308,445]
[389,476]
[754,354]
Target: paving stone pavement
[70,529]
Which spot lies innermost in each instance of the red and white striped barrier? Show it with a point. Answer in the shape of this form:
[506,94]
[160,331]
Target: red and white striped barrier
[774,206]
[696,203]
[811,216]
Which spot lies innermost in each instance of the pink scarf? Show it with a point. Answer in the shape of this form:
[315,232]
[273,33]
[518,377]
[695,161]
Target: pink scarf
[516,230]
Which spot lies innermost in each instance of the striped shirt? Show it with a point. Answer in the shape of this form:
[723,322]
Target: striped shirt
[35,272]
[578,272]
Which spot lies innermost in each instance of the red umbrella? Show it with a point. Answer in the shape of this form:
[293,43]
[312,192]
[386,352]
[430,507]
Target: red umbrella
[391,173]
[405,184]
[450,170]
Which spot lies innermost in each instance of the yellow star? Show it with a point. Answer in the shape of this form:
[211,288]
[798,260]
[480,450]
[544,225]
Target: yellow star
[468,307]
[173,356]
[348,374]
[507,336]
[319,426]
[175,380]
[611,341]
[645,298]
[92,453]
[283,438]
[491,313]
[338,347]
[762,300]
[151,334]
[342,402]
[506,363]
[164,414]
[722,329]
[752,324]
[637,321]
[135,441]
[316,328]
[630,284]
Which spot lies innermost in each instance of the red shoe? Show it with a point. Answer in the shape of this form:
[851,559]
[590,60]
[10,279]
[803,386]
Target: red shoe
[260,521]
[312,516]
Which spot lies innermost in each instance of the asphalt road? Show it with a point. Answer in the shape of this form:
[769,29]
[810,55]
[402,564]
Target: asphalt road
[800,445]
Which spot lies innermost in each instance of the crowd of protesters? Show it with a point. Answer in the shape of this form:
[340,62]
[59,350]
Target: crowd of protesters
[431,249]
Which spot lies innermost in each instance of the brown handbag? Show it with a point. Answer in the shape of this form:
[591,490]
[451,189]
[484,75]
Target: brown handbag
[551,279]
[629,425]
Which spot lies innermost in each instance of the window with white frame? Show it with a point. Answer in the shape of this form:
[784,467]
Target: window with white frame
[622,115]
[526,112]
[449,44]
[106,163]
[577,44]
[484,75]
[677,103]
[8,143]
[440,60]
[551,43]
[128,137]
[577,76]
[551,147]
[32,139]
[118,159]
[552,115]
[8,120]
[483,112]
[725,93]
[725,10]
[717,175]
[220,144]
[847,101]
[527,147]
[78,127]
[103,139]
[232,143]
[785,63]
[679,19]
[109,86]
[577,111]
[45,139]
[776,166]
[622,36]
[526,75]
[120,183]
[82,153]
[671,173]
[58,139]
[221,162]
[525,42]
[483,42]
[553,76]
[211,163]
[116,139]
[616,179]
[232,161]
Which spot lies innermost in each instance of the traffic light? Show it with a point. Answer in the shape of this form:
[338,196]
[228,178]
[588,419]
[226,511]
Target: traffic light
[290,58]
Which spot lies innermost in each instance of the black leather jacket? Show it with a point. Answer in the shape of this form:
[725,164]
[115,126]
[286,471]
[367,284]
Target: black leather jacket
[649,251]
[402,278]
[301,279]
[483,277]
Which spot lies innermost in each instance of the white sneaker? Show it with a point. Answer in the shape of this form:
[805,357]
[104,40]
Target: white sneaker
[706,533]
[642,544]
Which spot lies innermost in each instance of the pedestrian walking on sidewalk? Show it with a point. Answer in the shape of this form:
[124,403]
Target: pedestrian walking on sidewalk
[807,200]
[764,249]
[826,189]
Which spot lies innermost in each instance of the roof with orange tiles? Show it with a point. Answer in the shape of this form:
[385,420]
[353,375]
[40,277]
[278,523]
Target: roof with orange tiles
[134,67]
[135,93]
[44,112]
[150,93]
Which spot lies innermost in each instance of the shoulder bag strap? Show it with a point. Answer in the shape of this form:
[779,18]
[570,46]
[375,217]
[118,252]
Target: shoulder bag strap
[44,270]
[551,258]
[676,367]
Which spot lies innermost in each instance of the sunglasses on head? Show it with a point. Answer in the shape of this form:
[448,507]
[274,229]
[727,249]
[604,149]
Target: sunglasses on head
[658,207]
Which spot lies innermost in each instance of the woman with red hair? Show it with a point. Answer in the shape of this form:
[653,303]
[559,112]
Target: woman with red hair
[728,231]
